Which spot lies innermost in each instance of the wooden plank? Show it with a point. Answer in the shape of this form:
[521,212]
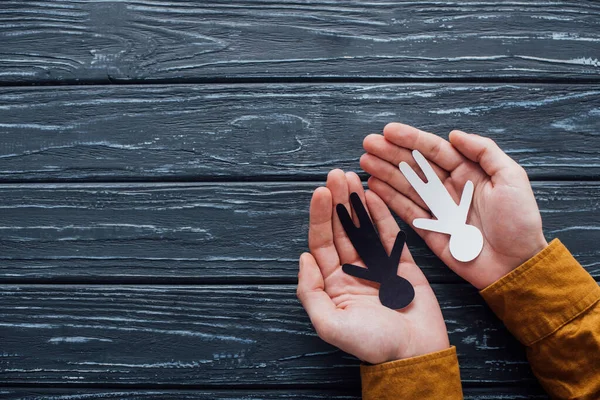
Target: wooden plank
[187,232]
[470,393]
[278,131]
[57,41]
[157,394]
[211,335]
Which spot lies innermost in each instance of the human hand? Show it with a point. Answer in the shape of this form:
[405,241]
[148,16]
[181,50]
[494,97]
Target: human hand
[346,311]
[503,205]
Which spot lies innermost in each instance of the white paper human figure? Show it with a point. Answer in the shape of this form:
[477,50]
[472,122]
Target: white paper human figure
[466,240]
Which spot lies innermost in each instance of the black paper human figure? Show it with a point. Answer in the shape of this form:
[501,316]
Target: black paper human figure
[395,292]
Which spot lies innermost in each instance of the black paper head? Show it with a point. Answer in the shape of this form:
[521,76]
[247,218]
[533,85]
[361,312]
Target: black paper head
[394,292]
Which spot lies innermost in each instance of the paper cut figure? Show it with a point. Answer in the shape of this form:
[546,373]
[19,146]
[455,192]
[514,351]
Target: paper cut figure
[466,240]
[395,292]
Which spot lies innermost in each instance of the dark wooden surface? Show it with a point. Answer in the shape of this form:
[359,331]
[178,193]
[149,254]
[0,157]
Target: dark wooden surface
[211,335]
[176,232]
[149,40]
[157,159]
[500,393]
[279,131]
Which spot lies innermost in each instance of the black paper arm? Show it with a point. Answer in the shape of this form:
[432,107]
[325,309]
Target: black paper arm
[360,272]
[397,249]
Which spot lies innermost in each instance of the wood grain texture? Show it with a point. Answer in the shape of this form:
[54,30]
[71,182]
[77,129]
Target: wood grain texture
[244,232]
[211,335]
[470,393]
[157,394]
[105,42]
[246,341]
[278,131]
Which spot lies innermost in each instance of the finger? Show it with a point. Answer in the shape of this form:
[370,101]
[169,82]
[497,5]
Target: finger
[390,174]
[355,186]
[385,223]
[320,231]
[484,151]
[433,147]
[380,147]
[337,184]
[311,293]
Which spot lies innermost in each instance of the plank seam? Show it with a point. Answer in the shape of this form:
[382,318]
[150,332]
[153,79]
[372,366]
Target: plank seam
[316,179]
[233,387]
[184,281]
[306,80]
[172,282]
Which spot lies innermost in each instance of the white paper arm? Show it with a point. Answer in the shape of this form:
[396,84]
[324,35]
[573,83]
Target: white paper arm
[465,200]
[434,225]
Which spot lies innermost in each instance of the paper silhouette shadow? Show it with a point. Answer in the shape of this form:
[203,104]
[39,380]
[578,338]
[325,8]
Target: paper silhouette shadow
[395,292]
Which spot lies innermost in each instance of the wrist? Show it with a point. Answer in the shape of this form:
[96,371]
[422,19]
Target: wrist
[424,345]
[413,358]
[505,265]
[528,252]
[536,247]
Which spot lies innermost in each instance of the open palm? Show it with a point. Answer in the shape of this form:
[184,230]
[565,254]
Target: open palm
[503,205]
[346,311]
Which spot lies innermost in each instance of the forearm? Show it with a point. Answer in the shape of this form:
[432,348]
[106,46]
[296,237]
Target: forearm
[431,376]
[550,303]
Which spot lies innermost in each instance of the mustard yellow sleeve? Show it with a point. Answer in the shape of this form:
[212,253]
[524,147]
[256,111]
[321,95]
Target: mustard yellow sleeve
[550,303]
[431,376]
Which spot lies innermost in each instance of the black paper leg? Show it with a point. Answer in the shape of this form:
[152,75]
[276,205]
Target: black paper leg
[345,217]
[347,223]
[360,211]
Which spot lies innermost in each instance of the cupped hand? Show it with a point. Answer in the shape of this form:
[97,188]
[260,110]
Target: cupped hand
[346,311]
[503,206]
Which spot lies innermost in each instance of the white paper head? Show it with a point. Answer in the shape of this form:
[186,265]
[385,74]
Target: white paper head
[466,243]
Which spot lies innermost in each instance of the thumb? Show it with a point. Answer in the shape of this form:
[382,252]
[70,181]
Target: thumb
[484,151]
[311,293]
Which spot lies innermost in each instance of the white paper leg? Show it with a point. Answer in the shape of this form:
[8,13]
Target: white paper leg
[425,167]
[412,177]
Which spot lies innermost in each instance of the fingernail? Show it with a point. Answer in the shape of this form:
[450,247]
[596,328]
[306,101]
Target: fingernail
[301,260]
